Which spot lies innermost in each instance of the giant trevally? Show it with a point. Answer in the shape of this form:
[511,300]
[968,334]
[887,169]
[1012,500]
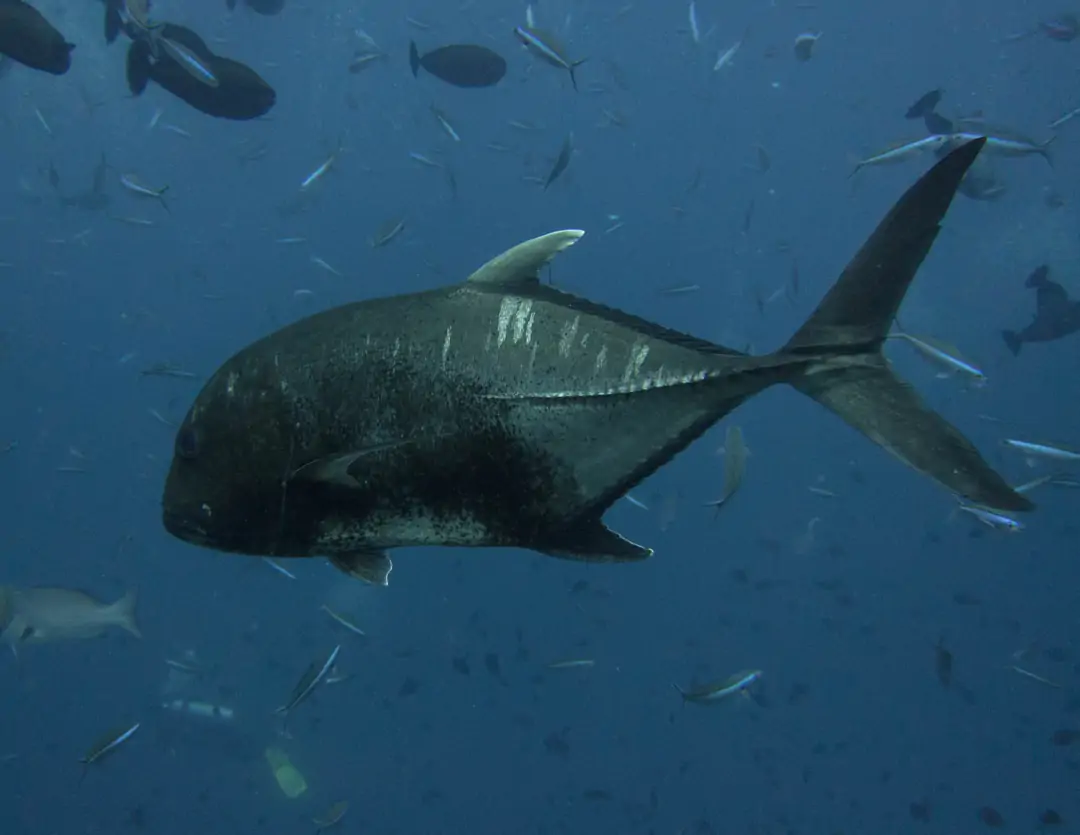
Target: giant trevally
[504,412]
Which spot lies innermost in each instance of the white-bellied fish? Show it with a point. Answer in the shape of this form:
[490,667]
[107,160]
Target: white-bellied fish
[321,171]
[314,674]
[727,56]
[387,231]
[326,265]
[38,615]
[572,664]
[140,189]
[331,817]
[943,355]
[904,151]
[344,621]
[734,685]
[1000,141]
[188,61]
[545,46]
[107,745]
[992,518]
[1067,117]
[279,568]
[1051,452]
[1033,676]
[362,60]
[444,123]
[1028,486]
[200,710]
[735,454]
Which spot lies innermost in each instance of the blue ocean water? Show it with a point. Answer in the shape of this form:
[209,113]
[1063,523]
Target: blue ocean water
[843,596]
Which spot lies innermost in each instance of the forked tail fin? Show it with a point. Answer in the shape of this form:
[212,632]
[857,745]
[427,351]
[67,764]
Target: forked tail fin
[849,328]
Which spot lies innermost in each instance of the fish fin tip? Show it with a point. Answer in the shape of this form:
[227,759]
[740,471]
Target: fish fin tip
[414,58]
[124,609]
[372,567]
[862,304]
[522,264]
[593,541]
[1038,276]
[854,319]
[1012,342]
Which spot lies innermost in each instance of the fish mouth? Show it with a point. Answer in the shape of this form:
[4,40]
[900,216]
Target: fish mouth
[182,527]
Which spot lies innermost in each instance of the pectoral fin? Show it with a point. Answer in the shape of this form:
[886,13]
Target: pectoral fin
[343,470]
[370,566]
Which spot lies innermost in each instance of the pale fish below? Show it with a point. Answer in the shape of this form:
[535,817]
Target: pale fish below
[51,614]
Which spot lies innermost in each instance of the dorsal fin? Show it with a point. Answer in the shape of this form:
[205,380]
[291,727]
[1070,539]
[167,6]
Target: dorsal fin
[522,263]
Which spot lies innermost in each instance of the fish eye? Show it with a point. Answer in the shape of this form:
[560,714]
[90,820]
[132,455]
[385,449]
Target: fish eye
[187,443]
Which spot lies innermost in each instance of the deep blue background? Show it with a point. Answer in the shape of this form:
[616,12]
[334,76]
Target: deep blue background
[852,616]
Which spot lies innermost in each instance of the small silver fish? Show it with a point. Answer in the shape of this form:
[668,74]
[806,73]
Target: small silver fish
[314,674]
[348,624]
[712,693]
[189,61]
[735,454]
[107,744]
[1052,452]
[943,355]
[904,152]
[316,175]
[571,664]
[132,184]
[993,518]
[544,45]
[727,56]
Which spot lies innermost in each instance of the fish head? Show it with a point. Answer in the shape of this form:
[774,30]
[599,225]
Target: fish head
[232,456]
[59,61]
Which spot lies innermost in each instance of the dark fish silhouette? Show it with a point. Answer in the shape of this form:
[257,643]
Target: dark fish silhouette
[925,105]
[1056,315]
[936,124]
[28,38]
[93,199]
[504,412]
[241,92]
[561,162]
[114,21]
[1063,27]
[265,7]
[462,65]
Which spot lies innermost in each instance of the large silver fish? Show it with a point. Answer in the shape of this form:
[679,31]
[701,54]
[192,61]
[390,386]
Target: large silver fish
[503,412]
[50,614]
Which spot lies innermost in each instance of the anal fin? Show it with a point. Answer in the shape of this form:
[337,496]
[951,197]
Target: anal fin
[592,541]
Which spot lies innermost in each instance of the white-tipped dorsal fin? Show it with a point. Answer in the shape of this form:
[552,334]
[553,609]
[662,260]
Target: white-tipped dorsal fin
[522,263]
